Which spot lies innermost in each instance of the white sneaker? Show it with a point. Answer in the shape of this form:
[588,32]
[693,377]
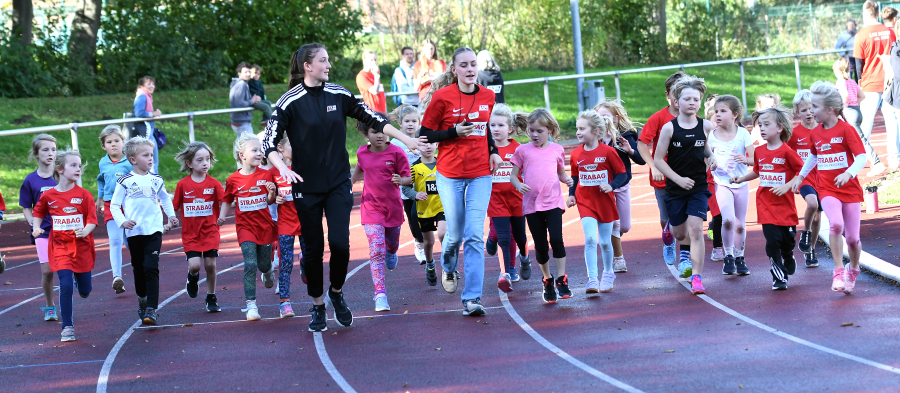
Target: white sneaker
[68,334]
[619,265]
[606,281]
[252,311]
[420,252]
[593,286]
[876,170]
[381,303]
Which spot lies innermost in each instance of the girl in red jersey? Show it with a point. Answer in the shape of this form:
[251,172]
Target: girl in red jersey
[800,142]
[74,218]
[198,196]
[834,144]
[775,163]
[254,190]
[288,227]
[593,165]
[505,208]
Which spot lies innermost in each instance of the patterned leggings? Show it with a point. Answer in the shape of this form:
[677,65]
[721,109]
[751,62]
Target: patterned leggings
[286,253]
[256,256]
[381,240]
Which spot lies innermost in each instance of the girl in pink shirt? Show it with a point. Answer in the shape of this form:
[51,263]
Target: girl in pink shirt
[384,168]
[542,165]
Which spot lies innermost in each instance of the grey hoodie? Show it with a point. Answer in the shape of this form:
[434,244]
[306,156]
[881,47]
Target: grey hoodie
[240,98]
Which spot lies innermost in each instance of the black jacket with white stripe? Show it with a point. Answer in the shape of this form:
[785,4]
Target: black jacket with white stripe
[315,122]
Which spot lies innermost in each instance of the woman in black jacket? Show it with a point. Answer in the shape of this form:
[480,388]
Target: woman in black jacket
[489,75]
[313,116]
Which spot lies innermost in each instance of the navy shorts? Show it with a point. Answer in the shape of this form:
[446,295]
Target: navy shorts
[680,207]
[204,254]
[809,190]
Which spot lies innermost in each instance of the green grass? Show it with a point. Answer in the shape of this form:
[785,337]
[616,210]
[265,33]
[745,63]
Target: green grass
[642,95]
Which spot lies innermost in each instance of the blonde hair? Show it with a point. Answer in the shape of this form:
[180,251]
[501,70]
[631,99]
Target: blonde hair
[486,62]
[190,150]
[783,117]
[710,106]
[240,144]
[733,104]
[601,126]
[842,65]
[36,144]
[624,124]
[870,8]
[688,82]
[802,97]
[518,121]
[445,79]
[544,118]
[133,144]
[397,115]
[60,161]
[772,96]
[830,96]
[109,130]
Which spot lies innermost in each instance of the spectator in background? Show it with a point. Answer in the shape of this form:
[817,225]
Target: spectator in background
[257,89]
[240,97]
[889,17]
[871,41]
[845,41]
[428,67]
[489,75]
[143,107]
[405,78]
[891,107]
[368,81]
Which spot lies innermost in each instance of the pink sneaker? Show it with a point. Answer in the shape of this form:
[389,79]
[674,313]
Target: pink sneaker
[850,279]
[837,279]
[285,310]
[504,283]
[697,285]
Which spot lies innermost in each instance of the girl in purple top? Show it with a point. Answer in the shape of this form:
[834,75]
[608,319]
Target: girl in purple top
[43,149]
[542,164]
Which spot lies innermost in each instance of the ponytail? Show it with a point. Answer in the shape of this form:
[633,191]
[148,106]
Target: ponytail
[305,54]
[518,121]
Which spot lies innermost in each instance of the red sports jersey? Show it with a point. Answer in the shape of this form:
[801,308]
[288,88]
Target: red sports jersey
[199,204]
[776,167]
[801,143]
[2,204]
[288,221]
[70,210]
[835,148]
[713,202]
[650,135]
[506,201]
[463,157]
[251,216]
[593,168]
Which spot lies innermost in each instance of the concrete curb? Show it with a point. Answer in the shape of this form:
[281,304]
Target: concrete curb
[867,261]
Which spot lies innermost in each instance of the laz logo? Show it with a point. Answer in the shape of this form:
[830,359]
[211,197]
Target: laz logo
[509,156]
[482,108]
[209,191]
[839,139]
[599,159]
[779,161]
[75,201]
[331,108]
[260,182]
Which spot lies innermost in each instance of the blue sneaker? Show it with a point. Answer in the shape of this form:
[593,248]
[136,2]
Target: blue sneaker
[490,247]
[669,254]
[513,274]
[390,260]
[684,265]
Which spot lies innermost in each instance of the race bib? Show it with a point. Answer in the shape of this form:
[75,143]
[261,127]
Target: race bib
[431,187]
[804,153]
[771,179]
[495,88]
[201,209]
[502,175]
[827,162]
[68,223]
[287,193]
[593,178]
[253,203]
[480,129]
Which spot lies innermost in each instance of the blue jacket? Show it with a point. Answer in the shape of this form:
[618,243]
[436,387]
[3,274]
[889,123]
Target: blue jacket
[140,110]
[109,175]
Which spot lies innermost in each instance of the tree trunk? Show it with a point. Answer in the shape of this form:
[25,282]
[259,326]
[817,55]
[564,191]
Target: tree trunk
[23,13]
[85,27]
[662,29]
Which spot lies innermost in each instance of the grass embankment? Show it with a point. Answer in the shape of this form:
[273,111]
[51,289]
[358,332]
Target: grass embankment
[641,93]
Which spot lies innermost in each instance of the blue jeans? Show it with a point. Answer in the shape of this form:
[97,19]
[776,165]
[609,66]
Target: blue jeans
[156,158]
[465,204]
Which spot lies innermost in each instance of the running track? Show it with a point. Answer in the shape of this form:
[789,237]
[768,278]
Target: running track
[649,334]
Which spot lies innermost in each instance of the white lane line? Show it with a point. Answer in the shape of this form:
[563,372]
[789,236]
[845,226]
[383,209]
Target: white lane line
[558,351]
[781,334]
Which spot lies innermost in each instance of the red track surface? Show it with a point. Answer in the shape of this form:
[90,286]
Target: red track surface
[759,340]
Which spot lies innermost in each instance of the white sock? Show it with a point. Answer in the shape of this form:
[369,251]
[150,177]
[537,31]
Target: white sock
[729,251]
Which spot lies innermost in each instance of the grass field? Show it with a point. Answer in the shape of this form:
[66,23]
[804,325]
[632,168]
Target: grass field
[642,94]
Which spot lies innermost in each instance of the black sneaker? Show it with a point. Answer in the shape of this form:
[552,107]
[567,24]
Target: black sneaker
[811,260]
[431,276]
[150,318]
[741,266]
[191,286]
[805,239]
[778,285]
[729,268]
[142,308]
[562,287]
[490,247]
[317,322]
[524,266]
[2,264]
[212,303]
[790,264]
[342,313]
[549,291]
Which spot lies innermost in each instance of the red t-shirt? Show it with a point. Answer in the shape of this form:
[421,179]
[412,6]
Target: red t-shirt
[650,135]
[801,143]
[835,148]
[775,168]
[199,204]
[870,42]
[252,218]
[69,210]
[506,201]
[463,157]
[2,204]
[288,221]
[364,81]
[593,168]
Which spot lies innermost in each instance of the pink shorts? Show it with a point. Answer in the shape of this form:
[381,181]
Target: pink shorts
[42,244]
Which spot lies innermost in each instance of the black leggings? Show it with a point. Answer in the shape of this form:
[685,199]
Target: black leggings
[336,204]
[540,223]
[502,226]
[716,226]
[412,218]
[780,250]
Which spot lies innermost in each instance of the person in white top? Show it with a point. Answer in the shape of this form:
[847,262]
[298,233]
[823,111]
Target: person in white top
[136,207]
[732,149]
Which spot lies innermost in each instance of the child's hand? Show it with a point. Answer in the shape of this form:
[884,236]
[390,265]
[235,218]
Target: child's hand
[711,164]
[79,233]
[624,145]
[421,196]
[606,188]
[99,205]
[841,179]
[270,187]
[37,231]
[782,189]
[684,182]
[395,179]
[166,228]
[734,180]
[570,182]
[279,199]
[523,188]
[129,224]
[742,159]
[173,222]
[220,221]
[571,201]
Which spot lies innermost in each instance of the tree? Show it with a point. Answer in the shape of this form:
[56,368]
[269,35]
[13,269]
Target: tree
[83,43]
[22,15]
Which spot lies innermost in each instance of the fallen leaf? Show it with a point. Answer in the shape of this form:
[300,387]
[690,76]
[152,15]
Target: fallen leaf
[651,304]
[738,323]
[406,312]
[437,349]
[334,334]
[187,325]
[845,324]
[405,383]
[485,323]
[740,385]
[669,351]
[620,328]
[273,341]
[138,376]
[8,283]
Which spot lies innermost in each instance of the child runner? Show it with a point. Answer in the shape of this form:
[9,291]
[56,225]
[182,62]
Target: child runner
[852,95]
[599,171]
[647,145]
[383,169]
[135,206]
[407,117]
[625,144]
[112,167]
[254,190]
[687,194]
[800,142]
[43,149]
[764,101]
[505,209]
[775,163]
[273,211]
[835,143]
[730,145]
[429,210]
[198,196]
[542,165]
[71,249]
[288,226]
[715,226]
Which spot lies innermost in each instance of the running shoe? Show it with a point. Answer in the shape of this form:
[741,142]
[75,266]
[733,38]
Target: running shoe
[697,285]
[811,260]
[505,283]
[685,268]
[473,308]
[381,303]
[431,275]
[619,265]
[709,234]
[268,278]
[151,318]
[118,285]
[2,264]
[790,264]
[805,240]
[68,334]
[390,260]
[317,321]
[513,274]
[562,287]
[252,311]
[876,170]
[525,264]
[850,275]
[342,313]
[212,303]
[669,254]
[667,237]
[742,269]
[142,307]
[606,282]
[718,254]
[549,291]
[778,285]
[50,313]
[458,276]
[837,279]
[729,268]
[285,310]
[191,286]
[592,286]
[420,253]
[448,281]
[490,247]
